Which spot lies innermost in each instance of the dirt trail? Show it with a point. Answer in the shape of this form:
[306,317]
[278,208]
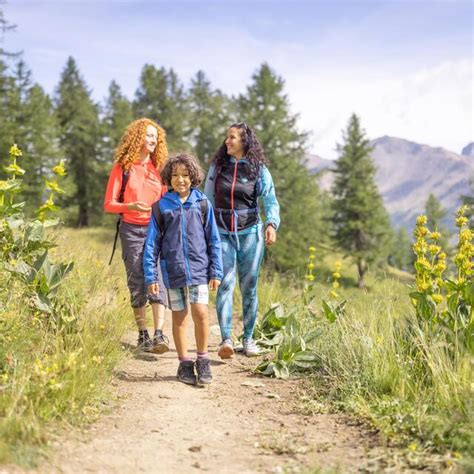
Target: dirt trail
[241,423]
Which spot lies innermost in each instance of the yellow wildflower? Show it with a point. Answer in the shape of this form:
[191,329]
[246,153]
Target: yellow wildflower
[435,235]
[335,284]
[310,277]
[312,249]
[334,294]
[421,220]
[60,169]
[15,151]
[437,298]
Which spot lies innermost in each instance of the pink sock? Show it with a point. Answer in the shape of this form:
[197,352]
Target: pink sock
[184,359]
[202,355]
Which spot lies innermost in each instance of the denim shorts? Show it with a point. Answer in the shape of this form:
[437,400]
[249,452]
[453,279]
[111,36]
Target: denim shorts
[133,237]
[179,298]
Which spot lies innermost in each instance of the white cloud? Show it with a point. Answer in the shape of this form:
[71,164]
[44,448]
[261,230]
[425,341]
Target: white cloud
[432,106]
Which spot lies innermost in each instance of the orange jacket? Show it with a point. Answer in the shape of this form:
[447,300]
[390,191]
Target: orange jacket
[144,184]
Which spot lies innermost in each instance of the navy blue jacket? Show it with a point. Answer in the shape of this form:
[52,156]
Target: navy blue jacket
[189,251]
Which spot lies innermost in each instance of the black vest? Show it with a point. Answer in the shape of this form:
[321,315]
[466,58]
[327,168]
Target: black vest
[235,196]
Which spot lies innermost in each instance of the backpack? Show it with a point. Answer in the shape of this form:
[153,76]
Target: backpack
[125,176]
[159,216]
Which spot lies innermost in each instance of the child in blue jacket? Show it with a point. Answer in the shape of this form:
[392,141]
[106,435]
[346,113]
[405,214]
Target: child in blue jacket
[183,235]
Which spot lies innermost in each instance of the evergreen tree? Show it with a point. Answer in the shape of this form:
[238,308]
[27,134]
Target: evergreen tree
[80,141]
[41,147]
[161,97]
[361,224]
[30,123]
[266,109]
[118,114]
[436,214]
[208,119]
[468,200]
[401,255]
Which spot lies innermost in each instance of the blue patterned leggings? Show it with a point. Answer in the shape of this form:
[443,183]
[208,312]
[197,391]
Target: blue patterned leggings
[246,261]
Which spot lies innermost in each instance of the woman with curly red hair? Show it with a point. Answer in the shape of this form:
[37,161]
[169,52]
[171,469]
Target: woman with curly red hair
[134,185]
[237,180]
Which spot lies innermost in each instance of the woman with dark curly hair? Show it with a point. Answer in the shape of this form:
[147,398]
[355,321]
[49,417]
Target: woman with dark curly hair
[183,235]
[236,180]
[134,185]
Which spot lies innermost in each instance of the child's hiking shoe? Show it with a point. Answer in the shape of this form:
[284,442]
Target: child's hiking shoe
[160,343]
[250,348]
[186,372]
[144,342]
[226,349]
[203,369]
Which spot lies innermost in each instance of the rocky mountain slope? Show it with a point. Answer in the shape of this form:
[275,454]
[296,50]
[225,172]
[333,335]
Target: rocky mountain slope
[408,172]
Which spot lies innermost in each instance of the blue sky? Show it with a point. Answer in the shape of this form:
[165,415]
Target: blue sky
[406,67]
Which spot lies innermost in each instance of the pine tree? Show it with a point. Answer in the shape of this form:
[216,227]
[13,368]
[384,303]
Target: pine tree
[360,221]
[266,109]
[436,214]
[42,148]
[401,254]
[161,97]
[209,116]
[30,123]
[468,200]
[118,113]
[80,141]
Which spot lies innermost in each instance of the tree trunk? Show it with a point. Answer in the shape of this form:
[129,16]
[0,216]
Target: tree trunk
[83,219]
[361,268]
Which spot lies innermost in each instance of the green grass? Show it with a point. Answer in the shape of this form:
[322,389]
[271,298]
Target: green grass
[376,363]
[57,370]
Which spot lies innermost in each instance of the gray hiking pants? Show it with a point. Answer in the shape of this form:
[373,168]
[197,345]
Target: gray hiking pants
[133,237]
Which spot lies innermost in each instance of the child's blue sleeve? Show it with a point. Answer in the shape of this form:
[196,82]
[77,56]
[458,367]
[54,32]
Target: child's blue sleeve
[151,252]
[270,203]
[214,248]
[209,186]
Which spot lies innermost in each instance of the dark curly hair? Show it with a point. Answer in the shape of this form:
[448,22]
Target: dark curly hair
[252,148]
[196,174]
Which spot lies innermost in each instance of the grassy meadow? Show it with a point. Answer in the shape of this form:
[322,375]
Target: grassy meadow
[373,361]
[56,369]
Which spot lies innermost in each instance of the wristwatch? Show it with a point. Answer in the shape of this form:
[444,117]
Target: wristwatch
[272,224]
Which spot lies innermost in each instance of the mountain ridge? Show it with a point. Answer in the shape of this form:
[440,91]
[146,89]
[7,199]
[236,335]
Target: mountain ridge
[407,173]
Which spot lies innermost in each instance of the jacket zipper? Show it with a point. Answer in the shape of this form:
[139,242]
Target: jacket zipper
[185,248]
[232,197]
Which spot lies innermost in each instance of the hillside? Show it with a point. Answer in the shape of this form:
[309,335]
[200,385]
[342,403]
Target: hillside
[407,172]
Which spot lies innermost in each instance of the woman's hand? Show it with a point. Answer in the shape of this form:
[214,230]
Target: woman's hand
[138,206]
[153,289]
[270,235]
[214,284]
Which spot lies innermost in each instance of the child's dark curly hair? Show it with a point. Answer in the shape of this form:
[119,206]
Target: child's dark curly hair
[196,174]
[253,149]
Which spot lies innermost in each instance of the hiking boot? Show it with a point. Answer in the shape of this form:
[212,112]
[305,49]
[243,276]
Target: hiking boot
[250,348]
[160,343]
[144,342]
[226,349]
[186,372]
[203,369]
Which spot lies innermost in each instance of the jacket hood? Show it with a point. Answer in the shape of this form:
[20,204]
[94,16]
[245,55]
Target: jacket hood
[195,196]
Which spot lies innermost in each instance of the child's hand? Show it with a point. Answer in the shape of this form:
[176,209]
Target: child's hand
[214,284]
[153,289]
